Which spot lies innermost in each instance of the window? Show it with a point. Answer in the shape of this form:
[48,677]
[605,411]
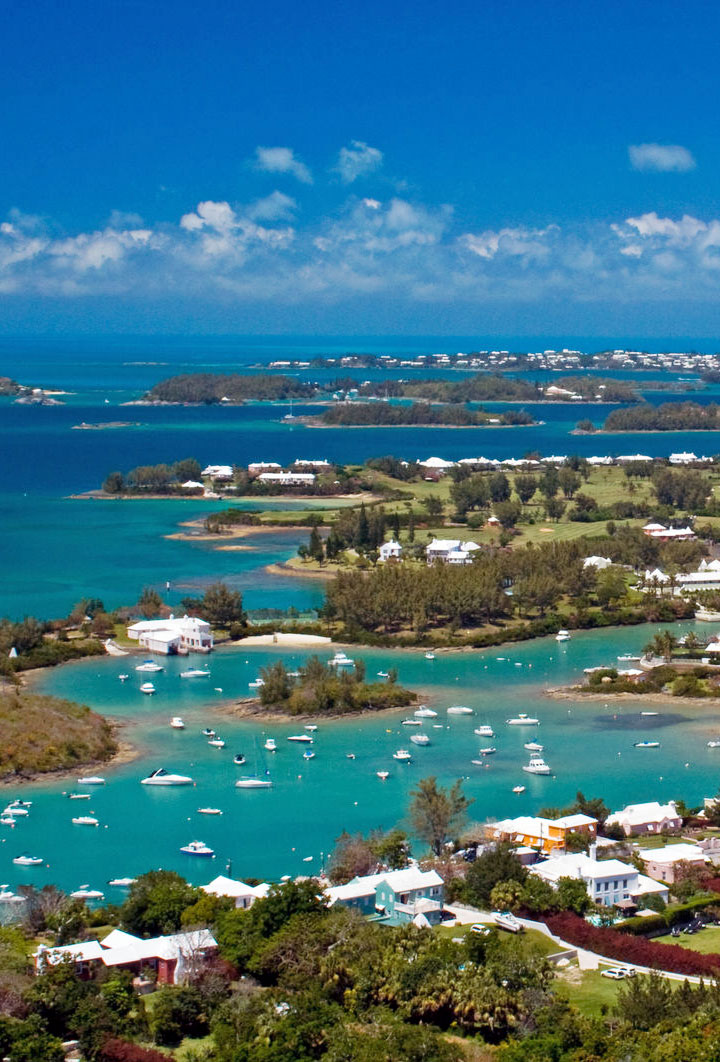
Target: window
[607,886]
[625,883]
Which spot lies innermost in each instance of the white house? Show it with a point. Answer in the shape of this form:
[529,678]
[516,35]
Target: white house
[436,464]
[451,550]
[391,550]
[597,562]
[303,463]
[682,458]
[651,817]
[288,479]
[608,881]
[172,957]
[218,471]
[171,635]
[243,895]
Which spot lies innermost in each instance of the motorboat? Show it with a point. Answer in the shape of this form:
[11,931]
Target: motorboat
[646,744]
[349,755]
[383,674]
[238,759]
[122,883]
[207,732]
[423,712]
[626,658]
[294,674]
[84,893]
[216,743]
[506,920]
[197,848]
[402,755]
[308,754]
[78,796]
[383,775]
[341,659]
[311,727]
[20,804]
[490,750]
[536,765]
[28,861]
[164,778]
[7,820]
[85,820]
[195,672]
[534,746]
[713,744]
[257,684]
[562,636]
[7,896]
[420,739]
[411,722]
[484,731]
[649,713]
[15,811]
[430,656]
[306,739]
[270,745]
[518,789]
[209,811]
[459,709]
[123,678]
[147,687]
[479,763]
[150,666]
[522,719]
[253,783]
[91,779]
[177,723]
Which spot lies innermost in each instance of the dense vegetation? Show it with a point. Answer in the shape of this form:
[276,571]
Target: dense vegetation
[155,479]
[211,388]
[670,416]
[39,734]
[323,690]
[9,387]
[419,413]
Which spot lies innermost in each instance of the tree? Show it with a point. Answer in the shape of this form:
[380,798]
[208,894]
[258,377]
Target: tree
[525,487]
[506,896]
[114,484]
[222,606]
[496,864]
[508,513]
[315,546]
[554,508]
[499,487]
[155,903]
[436,813]
[610,585]
[187,468]
[569,481]
[411,526]
[433,505]
[362,530]
[149,602]
[276,686]
[538,895]
[572,895]
[662,645]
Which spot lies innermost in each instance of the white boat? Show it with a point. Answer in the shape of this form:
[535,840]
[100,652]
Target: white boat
[383,674]
[308,754]
[209,811]
[484,731]
[534,746]
[713,744]
[420,739]
[207,732]
[626,658]
[257,684]
[85,820]
[536,765]
[382,775]
[78,796]
[403,755]
[253,783]
[216,743]
[649,713]
[518,789]
[562,636]
[459,709]
[123,678]
[28,861]
[7,896]
[177,723]
[341,659]
[423,712]
[197,848]
[311,727]
[430,656]
[238,759]
[411,722]
[506,920]
[479,763]
[122,883]
[489,751]
[305,739]
[147,687]
[163,777]
[20,804]
[349,755]
[7,820]
[84,893]
[195,672]
[270,745]
[149,665]
[646,744]
[15,811]
[522,720]
[91,779]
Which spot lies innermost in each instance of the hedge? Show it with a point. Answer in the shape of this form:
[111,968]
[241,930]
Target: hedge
[670,917]
[623,947]
[124,1051]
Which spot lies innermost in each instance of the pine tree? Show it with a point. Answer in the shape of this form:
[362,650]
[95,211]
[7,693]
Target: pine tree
[411,526]
[315,546]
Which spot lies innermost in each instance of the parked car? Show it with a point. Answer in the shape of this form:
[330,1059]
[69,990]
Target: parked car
[617,973]
[480,928]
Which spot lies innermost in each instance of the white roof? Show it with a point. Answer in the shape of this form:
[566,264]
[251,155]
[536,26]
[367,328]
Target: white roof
[118,939]
[672,853]
[86,950]
[656,576]
[193,484]
[634,457]
[639,814]
[222,886]
[646,885]
[436,462]
[579,865]
[444,544]
[177,626]
[407,880]
[597,562]
[534,826]
[654,527]
[217,470]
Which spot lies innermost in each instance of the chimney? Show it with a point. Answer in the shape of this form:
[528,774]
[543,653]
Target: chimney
[592,851]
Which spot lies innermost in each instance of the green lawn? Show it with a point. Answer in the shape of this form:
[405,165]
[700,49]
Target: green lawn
[657,842]
[589,991]
[530,938]
[707,941]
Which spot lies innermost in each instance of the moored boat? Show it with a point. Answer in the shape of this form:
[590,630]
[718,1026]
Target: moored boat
[270,745]
[149,666]
[28,861]
[402,755]
[420,739]
[253,783]
[91,779]
[305,739]
[216,743]
[238,759]
[161,777]
[518,789]
[209,811]
[562,636]
[534,746]
[195,672]
[646,744]
[484,731]
[423,712]
[536,765]
[459,709]
[85,893]
[197,848]
[148,688]
[85,820]
[383,775]
[488,751]
[522,719]
[177,723]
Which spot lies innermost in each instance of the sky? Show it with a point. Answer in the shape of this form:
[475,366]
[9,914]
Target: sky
[335,168]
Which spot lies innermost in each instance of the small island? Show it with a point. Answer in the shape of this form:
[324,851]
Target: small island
[420,414]
[40,735]
[670,416]
[334,689]
[205,388]
[24,394]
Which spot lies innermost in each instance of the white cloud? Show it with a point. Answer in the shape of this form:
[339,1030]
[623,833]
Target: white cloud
[282,160]
[518,242]
[661,158]
[274,207]
[358,160]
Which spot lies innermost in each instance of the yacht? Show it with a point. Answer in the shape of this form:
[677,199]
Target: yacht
[85,893]
[308,754]
[7,820]
[713,744]
[518,789]
[306,739]
[562,636]
[11,809]
[177,723]
[122,883]
[383,674]
[311,727]
[270,745]
[484,731]
[253,783]
[459,709]
[91,779]
[78,796]
[506,920]
[382,775]
[197,848]
[28,861]
[423,712]
[341,659]
[489,751]
[430,655]
[257,684]
[209,811]
[195,672]
[147,687]
[411,722]
[20,804]
[216,743]
[85,820]
[420,739]
[403,755]
[646,744]
[522,720]
[149,665]
[238,759]
[163,777]
[536,765]
[534,746]
[207,732]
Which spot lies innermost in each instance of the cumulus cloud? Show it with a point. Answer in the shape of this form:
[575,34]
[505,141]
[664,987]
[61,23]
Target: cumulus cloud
[282,160]
[358,160]
[274,207]
[521,243]
[661,158]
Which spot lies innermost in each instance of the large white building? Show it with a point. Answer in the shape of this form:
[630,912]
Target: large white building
[608,881]
[172,635]
[243,895]
[451,550]
[288,479]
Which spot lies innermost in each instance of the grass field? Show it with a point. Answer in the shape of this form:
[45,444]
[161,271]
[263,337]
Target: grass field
[589,991]
[707,941]
[531,938]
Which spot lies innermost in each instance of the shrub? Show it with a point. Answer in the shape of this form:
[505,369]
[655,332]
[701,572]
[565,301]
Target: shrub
[123,1051]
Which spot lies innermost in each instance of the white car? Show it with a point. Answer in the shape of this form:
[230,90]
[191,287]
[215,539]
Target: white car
[481,929]
[617,973]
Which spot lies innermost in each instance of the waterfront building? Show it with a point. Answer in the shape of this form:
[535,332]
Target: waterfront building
[262,466]
[669,863]
[597,562]
[301,462]
[651,817]
[171,957]
[548,835]
[243,895]
[396,896]
[172,635]
[288,479]
[682,458]
[218,471]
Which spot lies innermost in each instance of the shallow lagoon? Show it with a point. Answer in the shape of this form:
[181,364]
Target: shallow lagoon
[270,833]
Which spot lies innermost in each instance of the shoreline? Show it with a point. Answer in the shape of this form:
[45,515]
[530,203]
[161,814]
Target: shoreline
[283,568]
[578,693]
[251,708]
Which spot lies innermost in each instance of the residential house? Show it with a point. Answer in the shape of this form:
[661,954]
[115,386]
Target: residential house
[549,835]
[288,479]
[436,464]
[649,818]
[683,458]
[451,550]
[243,895]
[597,562]
[218,471]
[172,635]
[667,863]
[397,896]
[391,550]
[609,882]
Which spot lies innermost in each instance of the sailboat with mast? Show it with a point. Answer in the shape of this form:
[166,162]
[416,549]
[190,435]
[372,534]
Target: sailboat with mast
[255,781]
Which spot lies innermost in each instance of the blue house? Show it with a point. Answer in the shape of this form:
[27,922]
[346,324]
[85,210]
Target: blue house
[395,896]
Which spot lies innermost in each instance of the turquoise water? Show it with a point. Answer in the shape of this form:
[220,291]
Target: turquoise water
[270,833]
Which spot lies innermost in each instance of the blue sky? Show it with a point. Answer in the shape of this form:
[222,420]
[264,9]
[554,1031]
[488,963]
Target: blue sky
[512,166]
